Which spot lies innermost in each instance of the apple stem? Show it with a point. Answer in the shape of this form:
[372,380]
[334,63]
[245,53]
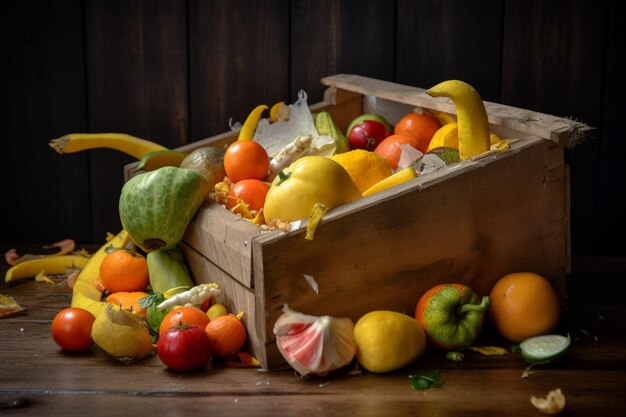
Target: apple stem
[484,305]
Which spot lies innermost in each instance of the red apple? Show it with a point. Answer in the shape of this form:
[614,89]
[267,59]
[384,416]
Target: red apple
[367,134]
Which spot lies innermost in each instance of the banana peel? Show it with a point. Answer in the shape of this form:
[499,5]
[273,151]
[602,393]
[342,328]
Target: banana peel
[131,145]
[85,294]
[473,123]
[398,178]
[51,265]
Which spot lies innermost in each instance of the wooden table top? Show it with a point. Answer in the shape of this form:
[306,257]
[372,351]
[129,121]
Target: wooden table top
[37,378]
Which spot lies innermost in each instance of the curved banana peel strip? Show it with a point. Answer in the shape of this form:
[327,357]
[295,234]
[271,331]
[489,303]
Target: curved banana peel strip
[131,145]
[472,120]
[85,294]
[51,265]
[249,126]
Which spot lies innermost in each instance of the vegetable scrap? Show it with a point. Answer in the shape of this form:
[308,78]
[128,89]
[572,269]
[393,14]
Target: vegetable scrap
[553,403]
[425,378]
[489,350]
[8,306]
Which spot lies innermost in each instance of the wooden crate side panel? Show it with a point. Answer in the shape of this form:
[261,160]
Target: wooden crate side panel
[472,228]
[225,239]
[235,297]
[557,129]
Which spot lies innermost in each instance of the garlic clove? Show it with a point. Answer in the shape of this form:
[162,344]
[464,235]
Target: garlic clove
[312,344]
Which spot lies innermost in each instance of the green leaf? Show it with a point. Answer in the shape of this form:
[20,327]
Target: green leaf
[148,301]
[425,378]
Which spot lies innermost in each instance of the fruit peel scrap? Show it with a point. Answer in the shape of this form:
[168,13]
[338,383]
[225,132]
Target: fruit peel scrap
[8,306]
[554,402]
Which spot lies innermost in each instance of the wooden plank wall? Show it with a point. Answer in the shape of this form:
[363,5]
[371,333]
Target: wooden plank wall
[176,71]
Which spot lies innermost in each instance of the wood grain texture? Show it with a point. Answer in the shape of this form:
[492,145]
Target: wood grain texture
[382,252]
[438,41]
[551,51]
[137,81]
[331,37]
[239,58]
[46,381]
[43,97]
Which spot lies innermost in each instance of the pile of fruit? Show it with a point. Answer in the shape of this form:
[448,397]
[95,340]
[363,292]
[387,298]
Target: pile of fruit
[523,307]
[135,293]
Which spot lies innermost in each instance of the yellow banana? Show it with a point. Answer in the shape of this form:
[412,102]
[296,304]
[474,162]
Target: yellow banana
[131,145]
[85,294]
[249,126]
[398,178]
[471,116]
[51,265]
[444,118]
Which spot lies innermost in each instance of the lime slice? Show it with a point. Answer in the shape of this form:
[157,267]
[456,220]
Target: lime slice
[173,291]
[544,349]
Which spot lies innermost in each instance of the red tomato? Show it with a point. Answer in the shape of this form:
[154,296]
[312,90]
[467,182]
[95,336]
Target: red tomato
[183,315]
[71,329]
[251,191]
[184,347]
[245,159]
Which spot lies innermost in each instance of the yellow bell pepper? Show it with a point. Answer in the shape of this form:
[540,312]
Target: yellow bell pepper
[309,180]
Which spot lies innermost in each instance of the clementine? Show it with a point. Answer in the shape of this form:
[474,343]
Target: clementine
[422,126]
[129,301]
[523,305]
[390,150]
[124,270]
[182,315]
[227,333]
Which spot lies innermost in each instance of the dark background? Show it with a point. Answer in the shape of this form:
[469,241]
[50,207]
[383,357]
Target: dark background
[176,71]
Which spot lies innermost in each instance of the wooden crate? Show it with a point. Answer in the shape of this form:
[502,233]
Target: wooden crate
[471,223]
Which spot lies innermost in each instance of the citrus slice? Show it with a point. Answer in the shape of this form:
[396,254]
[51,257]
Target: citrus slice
[544,349]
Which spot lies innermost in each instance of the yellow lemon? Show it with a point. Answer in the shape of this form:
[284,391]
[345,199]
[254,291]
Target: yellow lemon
[447,135]
[388,340]
[365,168]
[216,310]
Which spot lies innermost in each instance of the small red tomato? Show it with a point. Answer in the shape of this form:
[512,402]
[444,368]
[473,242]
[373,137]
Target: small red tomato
[184,347]
[251,191]
[367,135]
[246,159]
[71,329]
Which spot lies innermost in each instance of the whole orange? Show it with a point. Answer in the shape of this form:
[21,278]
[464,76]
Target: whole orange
[389,149]
[182,315]
[420,125]
[523,305]
[124,271]
[227,333]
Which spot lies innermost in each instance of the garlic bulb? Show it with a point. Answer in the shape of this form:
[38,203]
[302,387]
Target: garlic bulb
[121,334]
[314,345]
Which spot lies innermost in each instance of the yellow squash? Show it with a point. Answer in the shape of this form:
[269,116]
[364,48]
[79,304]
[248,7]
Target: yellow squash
[309,180]
[472,120]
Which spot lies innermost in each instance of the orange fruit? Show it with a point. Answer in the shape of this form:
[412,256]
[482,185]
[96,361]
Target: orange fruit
[183,315]
[524,305]
[421,126]
[123,270]
[389,149]
[227,334]
[129,301]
